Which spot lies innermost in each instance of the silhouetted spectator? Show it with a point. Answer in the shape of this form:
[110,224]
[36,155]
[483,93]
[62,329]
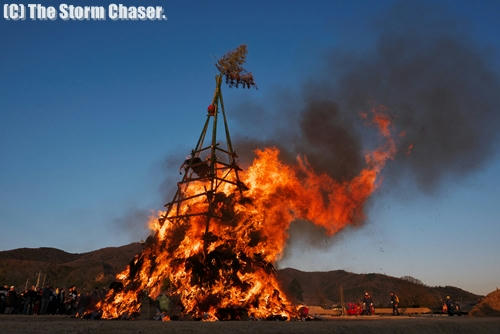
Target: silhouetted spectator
[59,300]
[52,307]
[394,303]
[45,300]
[368,307]
[3,298]
[11,301]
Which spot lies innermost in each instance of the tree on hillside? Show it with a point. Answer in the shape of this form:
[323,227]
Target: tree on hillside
[412,280]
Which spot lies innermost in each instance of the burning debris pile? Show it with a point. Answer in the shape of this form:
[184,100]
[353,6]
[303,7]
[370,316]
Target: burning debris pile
[215,244]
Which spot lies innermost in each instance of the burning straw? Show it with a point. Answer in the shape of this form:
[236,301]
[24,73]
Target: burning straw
[214,246]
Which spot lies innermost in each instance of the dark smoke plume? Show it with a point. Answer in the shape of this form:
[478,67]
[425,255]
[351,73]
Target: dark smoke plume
[441,93]
[440,89]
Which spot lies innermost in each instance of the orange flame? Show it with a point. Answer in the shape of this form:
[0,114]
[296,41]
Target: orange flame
[235,270]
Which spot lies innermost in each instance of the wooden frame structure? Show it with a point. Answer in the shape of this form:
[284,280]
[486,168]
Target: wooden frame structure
[212,164]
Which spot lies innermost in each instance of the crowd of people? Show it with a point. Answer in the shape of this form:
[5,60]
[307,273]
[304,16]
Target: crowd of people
[47,300]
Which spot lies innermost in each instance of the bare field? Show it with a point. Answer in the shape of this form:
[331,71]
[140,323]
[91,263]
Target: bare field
[365,325]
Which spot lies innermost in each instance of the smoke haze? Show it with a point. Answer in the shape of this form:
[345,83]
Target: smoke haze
[439,87]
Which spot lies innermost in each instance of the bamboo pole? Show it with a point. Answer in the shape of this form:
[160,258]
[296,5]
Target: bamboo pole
[199,144]
[38,279]
[213,158]
[342,302]
[230,145]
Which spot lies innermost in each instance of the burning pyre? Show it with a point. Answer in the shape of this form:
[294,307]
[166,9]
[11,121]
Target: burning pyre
[215,244]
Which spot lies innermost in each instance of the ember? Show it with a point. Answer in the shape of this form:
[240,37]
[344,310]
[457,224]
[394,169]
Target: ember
[215,244]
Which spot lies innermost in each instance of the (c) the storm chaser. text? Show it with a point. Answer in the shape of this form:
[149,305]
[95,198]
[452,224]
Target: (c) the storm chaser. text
[79,13]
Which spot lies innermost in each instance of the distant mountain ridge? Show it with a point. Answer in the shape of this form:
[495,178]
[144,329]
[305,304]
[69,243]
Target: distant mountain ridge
[62,269]
[324,288]
[43,254]
[99,267]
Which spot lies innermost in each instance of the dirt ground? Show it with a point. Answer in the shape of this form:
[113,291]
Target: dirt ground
[365,325]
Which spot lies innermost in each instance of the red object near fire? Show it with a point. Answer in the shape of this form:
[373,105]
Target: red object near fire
[354,309]
[211,110]
[303,312]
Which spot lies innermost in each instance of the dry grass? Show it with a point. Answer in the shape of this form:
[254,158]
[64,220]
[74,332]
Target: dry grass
[489,306]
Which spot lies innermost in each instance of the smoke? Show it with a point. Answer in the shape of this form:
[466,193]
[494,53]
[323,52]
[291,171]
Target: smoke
[134,223]
[329,140]
[440,89]
[170,169]
[305,235]
[315,128]
[438,85]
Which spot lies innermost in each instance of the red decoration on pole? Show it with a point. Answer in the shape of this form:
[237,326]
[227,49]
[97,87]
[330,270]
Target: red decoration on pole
[211,110]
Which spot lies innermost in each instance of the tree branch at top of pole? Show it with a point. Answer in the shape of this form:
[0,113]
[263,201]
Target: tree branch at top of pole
[230,66]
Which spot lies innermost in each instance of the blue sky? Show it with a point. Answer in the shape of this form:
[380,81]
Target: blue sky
[91,110]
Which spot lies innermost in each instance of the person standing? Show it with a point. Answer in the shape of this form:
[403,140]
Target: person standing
[368,307]
[11,301]
[46,292]
[4,291]
[394,303]
[452,307]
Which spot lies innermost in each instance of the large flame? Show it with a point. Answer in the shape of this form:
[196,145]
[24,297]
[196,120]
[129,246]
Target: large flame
[228,272]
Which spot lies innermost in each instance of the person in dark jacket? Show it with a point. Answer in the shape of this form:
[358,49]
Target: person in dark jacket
[368,308]
[61,295]
[452,307]
[394,303]
[11,301]
[46,293]
[33,295]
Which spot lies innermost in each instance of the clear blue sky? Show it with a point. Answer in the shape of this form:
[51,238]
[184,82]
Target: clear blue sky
[89,111]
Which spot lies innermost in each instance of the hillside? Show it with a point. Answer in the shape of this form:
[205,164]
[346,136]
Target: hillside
[98,268]
[323,288]
[86,270]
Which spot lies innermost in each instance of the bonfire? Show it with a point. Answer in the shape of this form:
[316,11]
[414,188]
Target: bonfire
[215,244]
